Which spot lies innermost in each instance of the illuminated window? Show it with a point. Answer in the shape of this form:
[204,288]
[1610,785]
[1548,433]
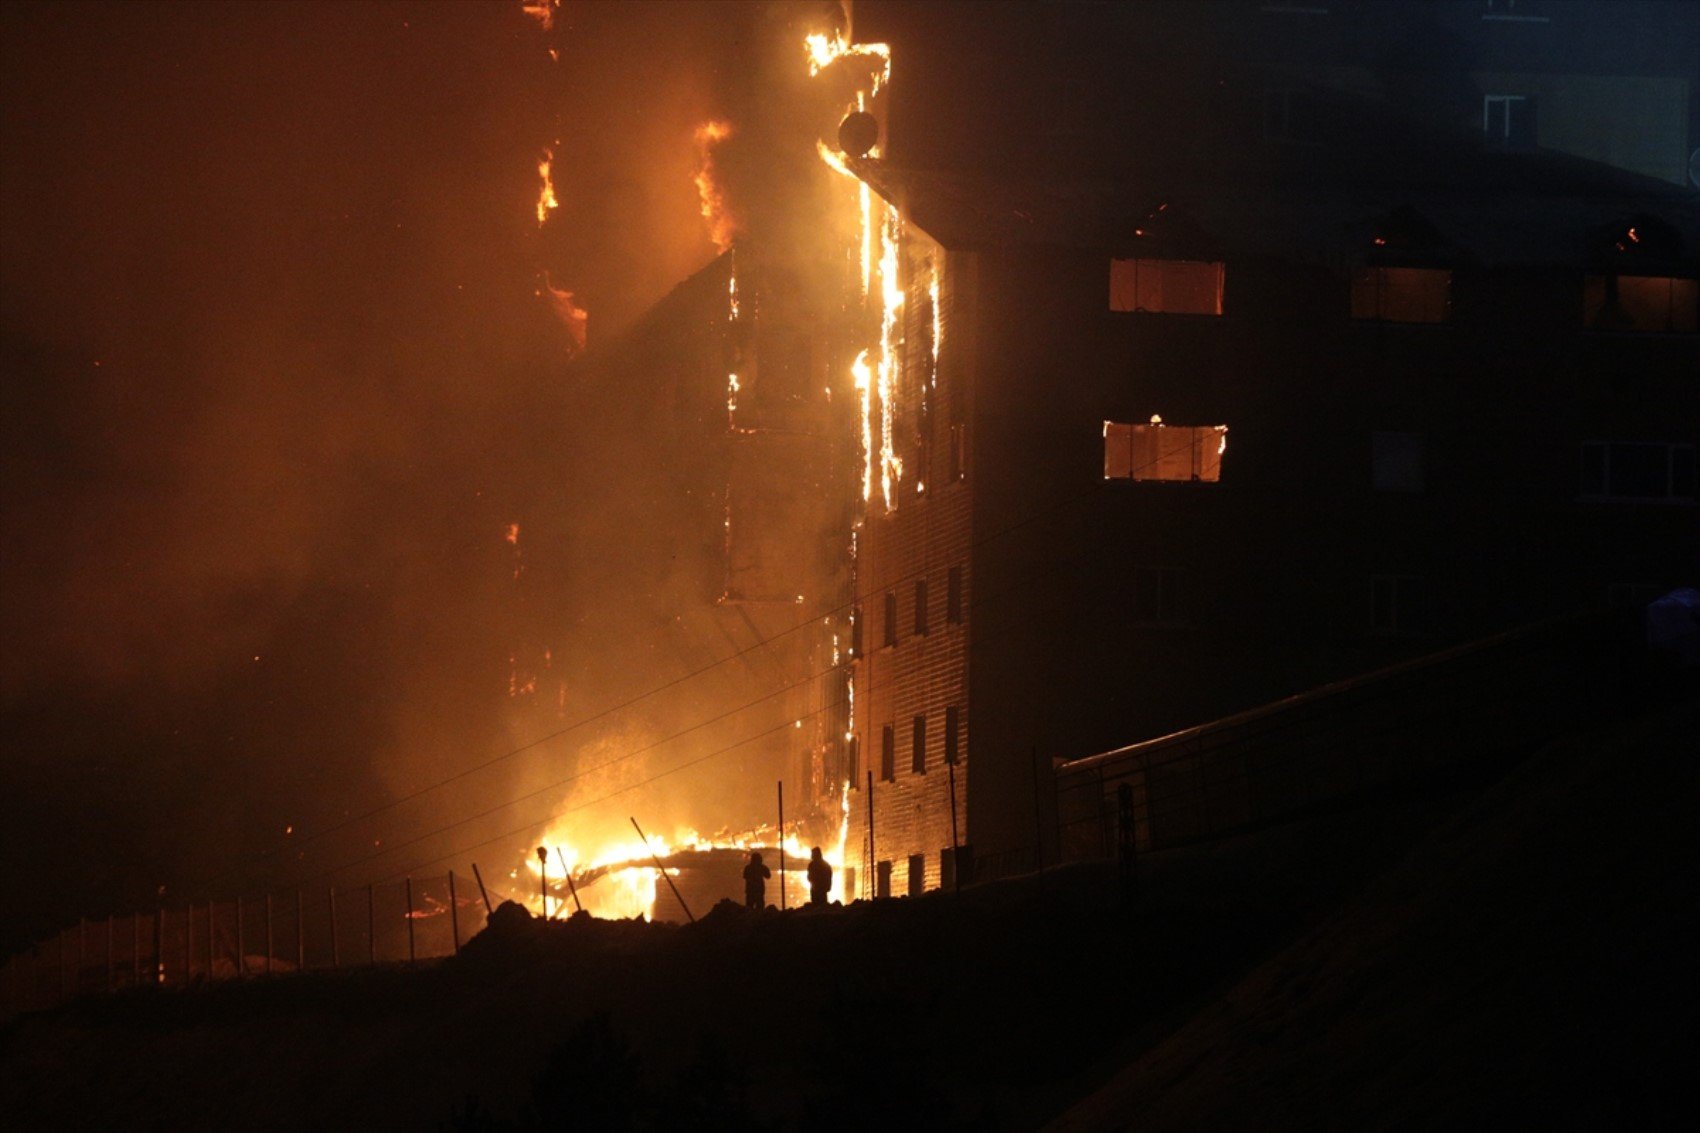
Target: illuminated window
[888,754]
[953,596]
[918,746]
[1402,295]
[883,886]
[1396,461]
[952,732]
[891,617]
[920,605]
[1164,452]
[1647,303]
[1174,287]
[1613,471]
[1159,595]
[917,874]
[1395,604]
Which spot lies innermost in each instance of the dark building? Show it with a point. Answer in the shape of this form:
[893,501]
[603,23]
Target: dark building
[1186,424]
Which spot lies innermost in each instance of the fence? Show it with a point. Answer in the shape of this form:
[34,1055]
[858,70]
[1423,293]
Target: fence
[269,935]
[1345,741]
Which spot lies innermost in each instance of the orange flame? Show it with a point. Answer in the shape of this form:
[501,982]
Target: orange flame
[546,202]
[721,225]
[575,318]
[543,11]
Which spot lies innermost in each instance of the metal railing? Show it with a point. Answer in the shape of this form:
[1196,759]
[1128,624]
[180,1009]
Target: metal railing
[270,934]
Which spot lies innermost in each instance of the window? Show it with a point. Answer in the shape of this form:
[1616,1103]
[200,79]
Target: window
[1174,287]
[1395,602]
[1402,295]
[917,874]
[1159,595]
[921,605]
[853,757]
[958,452]
[952,732]
[918,746]
[891,617]
[1396,461]
[884,884]
[1642,303]
[1164,452]
[855,631]
[1612,471]
[947,868]
[888,754]
[953,596]
[1509,120]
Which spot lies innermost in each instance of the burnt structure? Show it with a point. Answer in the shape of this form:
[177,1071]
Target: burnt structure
[1201,420]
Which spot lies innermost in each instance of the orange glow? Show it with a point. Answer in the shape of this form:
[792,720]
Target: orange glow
[575,318]
[712,198]
[543,11]
[546,202]
[825,50]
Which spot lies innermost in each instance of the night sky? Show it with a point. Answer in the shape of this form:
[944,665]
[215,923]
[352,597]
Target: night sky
[268,328]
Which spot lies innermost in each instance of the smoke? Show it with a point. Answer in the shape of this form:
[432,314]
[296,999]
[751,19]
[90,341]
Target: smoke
[276,378]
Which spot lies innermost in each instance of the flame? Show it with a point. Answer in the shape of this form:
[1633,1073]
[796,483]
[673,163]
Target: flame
[546,202]
[512,534]
[543,11]
[891,309]
[824,50]
[575,318]
[863,376]
[721,225]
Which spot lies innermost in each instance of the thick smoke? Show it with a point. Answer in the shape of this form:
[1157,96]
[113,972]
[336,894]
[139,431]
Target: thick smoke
[276,380]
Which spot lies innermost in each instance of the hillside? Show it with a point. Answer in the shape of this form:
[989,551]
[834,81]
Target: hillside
[1497,951]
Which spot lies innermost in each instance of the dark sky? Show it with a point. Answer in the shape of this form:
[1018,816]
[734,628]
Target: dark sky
[267,323]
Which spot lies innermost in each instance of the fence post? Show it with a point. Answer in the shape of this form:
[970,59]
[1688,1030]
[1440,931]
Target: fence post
[1038,817]
[300,937]
[109,956]
[482,892]
[1126,843]
[330,897]
[408,883]
[135,949]
[454,912]
[269,946]
[241,951]
[159,945]
[212,923]
[371,925]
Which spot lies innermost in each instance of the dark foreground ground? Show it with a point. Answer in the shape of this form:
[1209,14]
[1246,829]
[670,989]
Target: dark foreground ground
[1509,951]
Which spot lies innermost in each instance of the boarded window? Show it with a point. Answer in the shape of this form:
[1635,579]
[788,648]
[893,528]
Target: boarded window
[1173,287]
[917,874]
[958,452]
[918,746]
[947,868]
[1620,471]
[853,756]
[921,605]
[891,617]
[953,596]
[1402,295]
[1641,303]
[888,753]
[952,732]
[1164,452]
[1396,461]
[884,884]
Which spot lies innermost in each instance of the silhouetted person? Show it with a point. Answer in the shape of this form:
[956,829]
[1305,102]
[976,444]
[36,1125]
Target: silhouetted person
[820,878]
[755,882]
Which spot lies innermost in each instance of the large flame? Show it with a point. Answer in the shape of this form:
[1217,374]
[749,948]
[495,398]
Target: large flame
[721,224]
